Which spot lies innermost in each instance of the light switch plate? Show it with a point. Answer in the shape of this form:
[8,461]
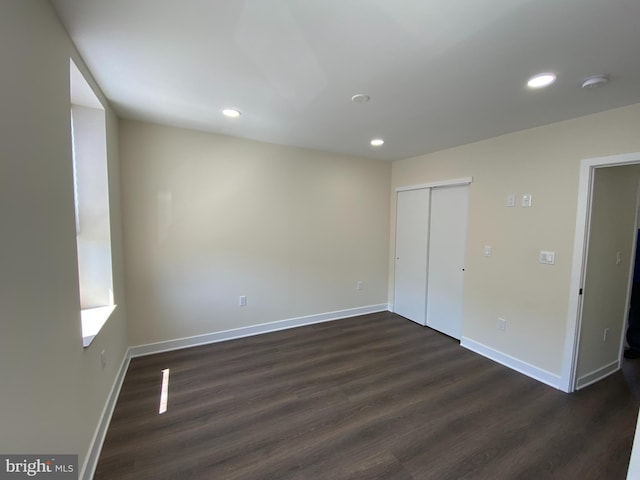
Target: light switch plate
[526,200]
[547,258]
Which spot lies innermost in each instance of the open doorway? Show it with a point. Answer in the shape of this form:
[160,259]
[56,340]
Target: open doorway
[607,273]
[602,268]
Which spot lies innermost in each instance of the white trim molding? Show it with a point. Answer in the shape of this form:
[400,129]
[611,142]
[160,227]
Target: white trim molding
[525,368]
[95,447]
[440,183]
[149,349]
[598,374]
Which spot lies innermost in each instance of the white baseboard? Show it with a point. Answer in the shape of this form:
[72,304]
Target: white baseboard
[149,349]
[525,368]
[599,374]
[91,460]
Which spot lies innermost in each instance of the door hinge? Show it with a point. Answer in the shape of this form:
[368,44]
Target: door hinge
[580,292]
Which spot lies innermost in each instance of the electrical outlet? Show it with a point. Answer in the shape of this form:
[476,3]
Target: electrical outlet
[502,324]
[359,285]
[242,301]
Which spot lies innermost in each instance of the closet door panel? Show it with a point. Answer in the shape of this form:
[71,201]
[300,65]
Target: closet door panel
[412,231]
[446,258]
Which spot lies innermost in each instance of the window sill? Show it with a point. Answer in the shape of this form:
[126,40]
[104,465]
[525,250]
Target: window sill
[93,319]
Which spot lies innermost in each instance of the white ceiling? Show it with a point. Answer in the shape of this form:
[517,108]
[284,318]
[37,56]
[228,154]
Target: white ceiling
[440,73]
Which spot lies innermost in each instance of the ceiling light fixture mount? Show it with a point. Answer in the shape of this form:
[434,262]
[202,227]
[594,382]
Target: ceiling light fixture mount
[231,112]
[541,80]
[594,81]
[377,142]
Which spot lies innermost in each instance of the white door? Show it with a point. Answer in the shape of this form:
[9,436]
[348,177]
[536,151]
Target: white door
[412,230]
[447,243]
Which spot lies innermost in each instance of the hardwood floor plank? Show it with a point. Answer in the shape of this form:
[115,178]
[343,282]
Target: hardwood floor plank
[370,397]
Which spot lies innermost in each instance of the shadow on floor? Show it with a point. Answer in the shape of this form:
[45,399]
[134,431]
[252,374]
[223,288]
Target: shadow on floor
[631,372]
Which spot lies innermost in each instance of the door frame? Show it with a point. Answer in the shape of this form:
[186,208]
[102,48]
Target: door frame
[442,183]
[568,378]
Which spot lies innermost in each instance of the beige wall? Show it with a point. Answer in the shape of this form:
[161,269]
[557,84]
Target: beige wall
[52,391]
[544,162]
[209,218]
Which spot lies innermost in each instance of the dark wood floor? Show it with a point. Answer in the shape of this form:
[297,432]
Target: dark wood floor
[372,397]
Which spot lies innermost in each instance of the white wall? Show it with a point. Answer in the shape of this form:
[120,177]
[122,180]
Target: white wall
[634,463]
[511,284]
[52,391]
[209,218]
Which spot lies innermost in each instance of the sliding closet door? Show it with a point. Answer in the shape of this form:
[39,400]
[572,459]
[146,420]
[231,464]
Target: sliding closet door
[447,243]
[412,230]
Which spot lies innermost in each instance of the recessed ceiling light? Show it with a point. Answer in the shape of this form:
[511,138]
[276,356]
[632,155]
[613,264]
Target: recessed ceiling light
[377,142]
[230,112]
[360,98]
[542,80]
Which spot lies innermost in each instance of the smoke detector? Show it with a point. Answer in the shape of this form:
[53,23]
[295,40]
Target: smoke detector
[360,98]
[594,81]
